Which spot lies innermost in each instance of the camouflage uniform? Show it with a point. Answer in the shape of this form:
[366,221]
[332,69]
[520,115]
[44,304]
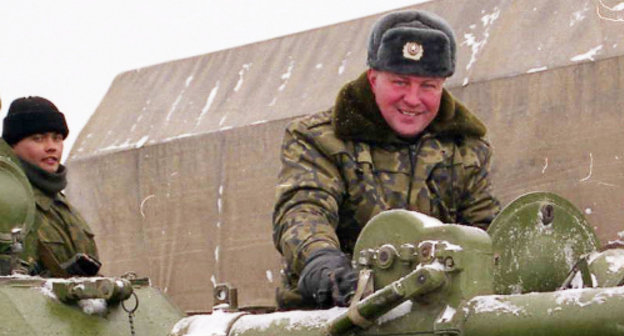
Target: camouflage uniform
[343,166]
[60,231]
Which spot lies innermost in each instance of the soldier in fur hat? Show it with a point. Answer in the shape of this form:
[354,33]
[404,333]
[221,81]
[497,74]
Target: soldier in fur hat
[60,243]
[395,139]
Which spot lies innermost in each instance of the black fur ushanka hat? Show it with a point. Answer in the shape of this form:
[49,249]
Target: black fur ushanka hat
[412,43]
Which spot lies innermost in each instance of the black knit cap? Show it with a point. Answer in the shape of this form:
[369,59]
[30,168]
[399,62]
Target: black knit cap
[32,115]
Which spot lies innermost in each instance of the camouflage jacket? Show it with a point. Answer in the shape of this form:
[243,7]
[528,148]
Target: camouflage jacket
[58,230]
[343,166]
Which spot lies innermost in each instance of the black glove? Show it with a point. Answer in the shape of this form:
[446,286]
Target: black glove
[81,265]
[328,278]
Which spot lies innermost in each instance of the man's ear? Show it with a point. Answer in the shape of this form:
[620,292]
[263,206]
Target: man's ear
[371,75]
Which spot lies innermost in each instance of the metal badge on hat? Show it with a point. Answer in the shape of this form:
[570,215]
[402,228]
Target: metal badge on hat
[413,51]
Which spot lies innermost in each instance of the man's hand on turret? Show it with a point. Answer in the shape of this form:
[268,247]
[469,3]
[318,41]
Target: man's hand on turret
[328,278]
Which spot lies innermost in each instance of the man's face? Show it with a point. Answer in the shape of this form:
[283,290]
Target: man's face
[407,103]
[43,150]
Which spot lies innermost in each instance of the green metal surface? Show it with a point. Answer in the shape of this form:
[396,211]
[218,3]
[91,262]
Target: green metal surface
[408,239]
[537,239]
[598,269]
[608,268]
[420,282]
[293,323]
[109,289]
[397,242]
[17,207]
[572,312]
[29,308]
[576,312]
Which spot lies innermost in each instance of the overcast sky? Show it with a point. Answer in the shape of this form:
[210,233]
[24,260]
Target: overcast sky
[69,51]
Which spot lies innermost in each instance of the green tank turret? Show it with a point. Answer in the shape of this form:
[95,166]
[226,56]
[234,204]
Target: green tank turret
[17,208]
[419,276]
[537,239]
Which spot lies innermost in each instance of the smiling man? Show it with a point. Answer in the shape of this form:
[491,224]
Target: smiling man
[60,244]
[395,139]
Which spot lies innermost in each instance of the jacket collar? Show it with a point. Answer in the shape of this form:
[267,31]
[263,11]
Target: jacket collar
[357,117]
[45,201]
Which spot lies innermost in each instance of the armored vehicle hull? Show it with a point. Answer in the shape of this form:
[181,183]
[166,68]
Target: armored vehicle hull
[431,278]
[88,306]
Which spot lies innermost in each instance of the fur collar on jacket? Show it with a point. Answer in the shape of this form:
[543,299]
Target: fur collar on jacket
[357,117]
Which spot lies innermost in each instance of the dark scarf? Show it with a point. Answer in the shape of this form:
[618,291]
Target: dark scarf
[49,183]
[357,117]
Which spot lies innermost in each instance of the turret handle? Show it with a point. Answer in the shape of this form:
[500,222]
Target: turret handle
[421,281]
